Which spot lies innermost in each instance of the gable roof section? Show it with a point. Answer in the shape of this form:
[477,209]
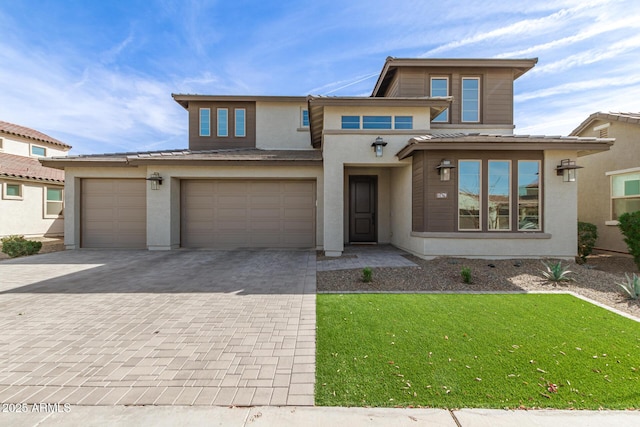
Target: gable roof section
[13,166]
[25,132]
[633,118]
[229,157]
[478,141]
[316,106]
[519,67]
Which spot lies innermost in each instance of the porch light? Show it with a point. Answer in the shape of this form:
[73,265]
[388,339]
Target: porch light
[155,180]
[377,146]
[444,169]
[567,169]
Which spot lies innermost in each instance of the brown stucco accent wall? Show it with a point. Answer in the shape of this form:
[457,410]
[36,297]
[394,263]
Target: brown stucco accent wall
[433,214]
[197,142]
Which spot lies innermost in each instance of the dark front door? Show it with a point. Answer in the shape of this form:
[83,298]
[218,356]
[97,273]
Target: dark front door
[362,208]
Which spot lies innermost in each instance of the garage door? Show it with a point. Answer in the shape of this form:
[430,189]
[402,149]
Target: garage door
[227,214]
[114,213]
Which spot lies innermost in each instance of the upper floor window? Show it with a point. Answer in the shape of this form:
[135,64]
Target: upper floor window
[440,87]
[38,151]
[205,122]
[471,99]
[625,194]
[240,122]
[304,122]
[1,143]
[350,122]
[53,202]
[223,122]
[376,122]
[403,122]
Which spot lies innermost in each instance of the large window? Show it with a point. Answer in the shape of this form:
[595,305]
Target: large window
[223,122]
[625,194]
[529,195]
[205,122]
[440,87]
[240,122]
[469,195]
[471,99]
[53,203]
[377,122]
[499,197]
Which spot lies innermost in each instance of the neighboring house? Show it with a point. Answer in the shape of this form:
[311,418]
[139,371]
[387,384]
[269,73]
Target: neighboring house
[609,184]
[427,163]
[32,202]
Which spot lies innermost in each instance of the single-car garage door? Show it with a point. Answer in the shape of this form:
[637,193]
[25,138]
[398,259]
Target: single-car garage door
[227,214]
[114,213]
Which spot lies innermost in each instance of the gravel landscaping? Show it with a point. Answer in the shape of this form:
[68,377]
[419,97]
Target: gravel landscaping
[595,280]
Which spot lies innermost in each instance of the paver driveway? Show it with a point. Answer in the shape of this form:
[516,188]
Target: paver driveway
[138,327]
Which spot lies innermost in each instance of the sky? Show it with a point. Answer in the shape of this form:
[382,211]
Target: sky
[98,75]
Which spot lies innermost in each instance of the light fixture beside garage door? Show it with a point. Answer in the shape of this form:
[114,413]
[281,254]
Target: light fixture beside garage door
[155,180]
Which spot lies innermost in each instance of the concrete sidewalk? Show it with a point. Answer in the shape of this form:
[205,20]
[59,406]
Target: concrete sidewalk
[160,416]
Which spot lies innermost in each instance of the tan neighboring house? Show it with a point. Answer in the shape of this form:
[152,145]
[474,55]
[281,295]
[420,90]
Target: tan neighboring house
[428,163]
[609,184]
[32,199]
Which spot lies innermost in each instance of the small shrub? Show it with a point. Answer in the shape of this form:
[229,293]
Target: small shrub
[629,224]
[587,236]
[631,286]
[16,246]
[556,272]
[466,274]
[367,274]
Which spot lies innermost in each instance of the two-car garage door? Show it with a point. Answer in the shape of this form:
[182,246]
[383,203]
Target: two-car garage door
[226,214]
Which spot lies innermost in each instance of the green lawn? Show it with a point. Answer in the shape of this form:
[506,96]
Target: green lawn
[488,351]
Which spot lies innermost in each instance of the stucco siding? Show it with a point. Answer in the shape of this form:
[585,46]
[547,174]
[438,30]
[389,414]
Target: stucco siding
[279,126]
[26,216]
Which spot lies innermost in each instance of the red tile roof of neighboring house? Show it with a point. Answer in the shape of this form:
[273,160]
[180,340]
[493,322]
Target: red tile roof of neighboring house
[610,116]
[27,168]
[11,129]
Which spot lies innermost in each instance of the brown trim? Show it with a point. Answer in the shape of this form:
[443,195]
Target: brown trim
[184,99]
[418,101]
[176,162]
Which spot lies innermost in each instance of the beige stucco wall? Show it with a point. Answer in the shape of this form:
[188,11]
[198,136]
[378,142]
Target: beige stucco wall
[163,205]
[559,239]
[594,192]
[26,216]
[279,126]
[22,146]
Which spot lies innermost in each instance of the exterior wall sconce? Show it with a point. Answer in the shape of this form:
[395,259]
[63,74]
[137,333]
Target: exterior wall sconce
[567,169]
[377,146]
[444,169]
[155,180]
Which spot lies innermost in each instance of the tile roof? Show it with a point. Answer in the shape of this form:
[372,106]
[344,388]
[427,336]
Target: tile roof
[27,168]
[610,116]
[25,132]
[486,137]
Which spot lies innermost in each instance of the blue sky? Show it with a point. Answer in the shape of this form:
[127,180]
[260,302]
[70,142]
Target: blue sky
[99,75]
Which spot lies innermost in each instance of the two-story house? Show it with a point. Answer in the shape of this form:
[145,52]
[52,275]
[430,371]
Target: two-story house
[32,201]
[428,163]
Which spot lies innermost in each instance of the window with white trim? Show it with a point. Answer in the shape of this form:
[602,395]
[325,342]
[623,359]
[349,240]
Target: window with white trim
[469,195]
[499,195]
[440,87]
[11,191]
[403,122]
[350,122]
[223,122]
[240,122]
[625,194]
[54,202]
[471,99]
[38,151]
[205,122]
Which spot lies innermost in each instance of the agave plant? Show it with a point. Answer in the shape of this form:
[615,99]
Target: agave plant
[556,272]
[631,286]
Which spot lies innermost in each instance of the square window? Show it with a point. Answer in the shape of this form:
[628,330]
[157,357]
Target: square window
[350,122]
[11,191]
[38,151]
[403,122]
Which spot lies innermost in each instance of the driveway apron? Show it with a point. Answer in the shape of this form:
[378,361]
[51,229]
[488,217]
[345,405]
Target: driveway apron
[158,328]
